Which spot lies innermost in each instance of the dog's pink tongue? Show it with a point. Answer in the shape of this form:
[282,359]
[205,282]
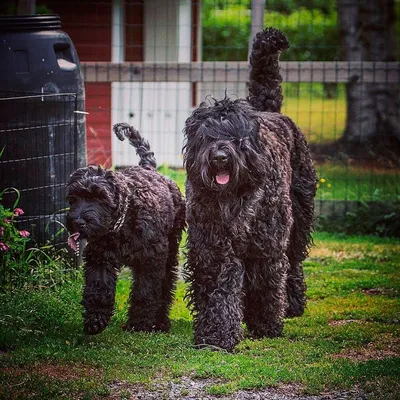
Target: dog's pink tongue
[73,241]
[222,179]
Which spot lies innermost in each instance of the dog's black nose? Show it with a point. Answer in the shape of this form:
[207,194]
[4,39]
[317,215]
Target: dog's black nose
[79,223]
[220,157]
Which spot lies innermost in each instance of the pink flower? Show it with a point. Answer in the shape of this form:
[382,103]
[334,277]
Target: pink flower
[24,233]
[18,211]
[6,220]
[4,247]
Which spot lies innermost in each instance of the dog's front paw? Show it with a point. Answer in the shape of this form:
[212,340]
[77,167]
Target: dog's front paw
[95,323]
[260,330]
[294,311]
[226,343]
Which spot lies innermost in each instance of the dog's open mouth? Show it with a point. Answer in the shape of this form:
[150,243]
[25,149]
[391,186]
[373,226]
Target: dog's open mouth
[222,179]
[73,241]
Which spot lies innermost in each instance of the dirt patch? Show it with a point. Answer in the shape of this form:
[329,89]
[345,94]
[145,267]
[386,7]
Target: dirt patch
[61,372]
[387,347]
[353,251]
[323,253]
[184,388]
[22,381]
[68,372]
[374,291]
[380,292]
[196,389]
[343,322]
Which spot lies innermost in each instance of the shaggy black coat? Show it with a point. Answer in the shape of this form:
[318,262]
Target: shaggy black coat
[249,193]
[134,218]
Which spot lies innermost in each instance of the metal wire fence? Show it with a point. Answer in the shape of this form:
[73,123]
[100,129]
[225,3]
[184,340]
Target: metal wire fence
[38,136]
[150,63]
[39,152]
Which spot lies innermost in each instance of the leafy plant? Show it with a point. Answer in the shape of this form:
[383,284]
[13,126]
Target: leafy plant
[378,218]
[21,263]
[12,240]
[313,33]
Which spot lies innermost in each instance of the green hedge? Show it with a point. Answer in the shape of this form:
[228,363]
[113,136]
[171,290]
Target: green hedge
[313,34]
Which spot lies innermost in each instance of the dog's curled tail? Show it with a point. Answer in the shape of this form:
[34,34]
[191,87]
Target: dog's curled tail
[142,146]
[265,92]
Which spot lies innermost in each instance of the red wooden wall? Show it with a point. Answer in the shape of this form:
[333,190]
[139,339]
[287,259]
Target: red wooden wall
[134,30]
[88,23]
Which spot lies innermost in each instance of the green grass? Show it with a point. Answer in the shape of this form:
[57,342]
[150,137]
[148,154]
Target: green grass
[349,336]
[338,182]
[322,120]
[177,175]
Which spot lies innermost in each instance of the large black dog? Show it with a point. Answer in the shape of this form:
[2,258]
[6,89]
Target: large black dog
[135,218]
[249,192]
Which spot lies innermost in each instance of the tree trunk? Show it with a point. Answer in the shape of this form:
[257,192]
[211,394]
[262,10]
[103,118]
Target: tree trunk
[367,33]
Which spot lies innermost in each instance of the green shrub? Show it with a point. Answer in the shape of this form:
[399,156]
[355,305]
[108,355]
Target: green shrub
[378,218]
[313,34]
[225,33]
[289,6]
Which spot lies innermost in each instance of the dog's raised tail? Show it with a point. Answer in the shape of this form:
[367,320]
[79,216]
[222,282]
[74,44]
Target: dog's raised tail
[142,146]
[265,92]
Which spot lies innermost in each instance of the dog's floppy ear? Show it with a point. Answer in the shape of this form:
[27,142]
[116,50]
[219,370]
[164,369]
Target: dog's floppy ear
[191,126]
[198,117]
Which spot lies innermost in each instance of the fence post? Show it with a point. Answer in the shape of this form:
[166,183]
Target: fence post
[257,19]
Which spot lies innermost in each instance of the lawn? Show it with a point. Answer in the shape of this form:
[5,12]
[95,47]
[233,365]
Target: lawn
[321,119]
[339,182]
[348,339]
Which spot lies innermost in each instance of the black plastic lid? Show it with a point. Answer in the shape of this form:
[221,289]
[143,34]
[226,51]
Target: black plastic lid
[29,23]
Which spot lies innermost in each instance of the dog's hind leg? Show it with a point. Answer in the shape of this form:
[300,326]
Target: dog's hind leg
[99,291]
[265,299]
[169,283]
[300,239]
[295,285]
[146,298]
[303,187]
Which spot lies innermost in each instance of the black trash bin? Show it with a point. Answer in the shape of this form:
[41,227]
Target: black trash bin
[42,120]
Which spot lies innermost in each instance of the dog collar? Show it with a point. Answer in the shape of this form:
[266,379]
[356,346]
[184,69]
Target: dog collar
[120,221]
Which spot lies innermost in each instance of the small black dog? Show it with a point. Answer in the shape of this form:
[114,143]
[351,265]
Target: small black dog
[250,200]
[133,218]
